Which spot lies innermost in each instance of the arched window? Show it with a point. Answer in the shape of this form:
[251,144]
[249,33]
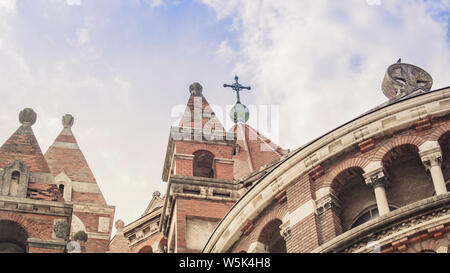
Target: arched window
[15,178]
[203,164]
[408,180]
[353,195]
[61,189]
[367,215]
[13,237]
[271,237]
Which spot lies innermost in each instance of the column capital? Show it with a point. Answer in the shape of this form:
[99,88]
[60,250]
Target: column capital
[431,157]
[376,178]
[329,201]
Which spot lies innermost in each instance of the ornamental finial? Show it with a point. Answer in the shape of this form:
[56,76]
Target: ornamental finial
[402,79]
[27,117]
[239,113]
[196,89]
[67,120]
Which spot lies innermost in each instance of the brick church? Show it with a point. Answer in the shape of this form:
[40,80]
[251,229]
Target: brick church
[47,198]
[378,183]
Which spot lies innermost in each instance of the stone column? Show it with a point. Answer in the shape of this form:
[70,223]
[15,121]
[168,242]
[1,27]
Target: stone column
[377,179]
[432,160]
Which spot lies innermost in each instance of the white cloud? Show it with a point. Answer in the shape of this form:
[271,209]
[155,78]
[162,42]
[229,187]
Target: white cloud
[73,2]
[155,3]
[82,36]
[225,52]
[323,61]
[8,5]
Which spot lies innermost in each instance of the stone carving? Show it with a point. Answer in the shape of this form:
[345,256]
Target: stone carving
[403,79]
[156,193]
[27,117]
[67,121]
[327,202]
[196,89]
[103,224]
[15,179]
[431,157]
[396,228]
[60,228]
[119,225]
[285,229]
[80,236]
[377,178]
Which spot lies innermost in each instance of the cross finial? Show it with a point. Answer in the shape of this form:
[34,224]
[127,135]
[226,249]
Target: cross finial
[237,87]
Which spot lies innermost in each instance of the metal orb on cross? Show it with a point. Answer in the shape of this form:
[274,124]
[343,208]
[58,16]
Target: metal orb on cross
[239,113]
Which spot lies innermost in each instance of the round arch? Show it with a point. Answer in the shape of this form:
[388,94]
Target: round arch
[146,249]
[203,165]
[408,181]
[271,237]
[13,237]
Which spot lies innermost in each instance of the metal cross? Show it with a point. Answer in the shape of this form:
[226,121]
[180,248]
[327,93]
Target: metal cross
[237,87]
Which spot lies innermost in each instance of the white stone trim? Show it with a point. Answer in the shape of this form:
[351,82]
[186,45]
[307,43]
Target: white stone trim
[184,156]
[224,161]
[65,145]
[302,212]
[257,247]
[63,179]
[322,192]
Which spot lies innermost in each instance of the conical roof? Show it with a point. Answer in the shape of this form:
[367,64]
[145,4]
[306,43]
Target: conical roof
[198,111]
[23,146]
[255,150]
[65,158]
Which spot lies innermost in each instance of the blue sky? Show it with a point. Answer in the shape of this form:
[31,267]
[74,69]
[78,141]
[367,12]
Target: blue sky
[122,66]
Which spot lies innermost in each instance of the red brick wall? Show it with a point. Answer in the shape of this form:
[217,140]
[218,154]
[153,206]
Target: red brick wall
[96,245]
[304,236]
[87,197]
[274,211]
[37,225]
[219,151]
[184,167]
[90,221]
[330,225]
[207,209]
[224,171]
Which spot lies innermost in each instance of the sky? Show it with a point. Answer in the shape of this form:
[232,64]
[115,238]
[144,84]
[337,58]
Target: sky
[123,68]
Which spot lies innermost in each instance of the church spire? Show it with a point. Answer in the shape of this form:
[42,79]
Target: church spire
[67,163]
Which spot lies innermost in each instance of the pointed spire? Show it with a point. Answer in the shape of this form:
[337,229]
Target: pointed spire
[65,156]
[23,146]
[198,111]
